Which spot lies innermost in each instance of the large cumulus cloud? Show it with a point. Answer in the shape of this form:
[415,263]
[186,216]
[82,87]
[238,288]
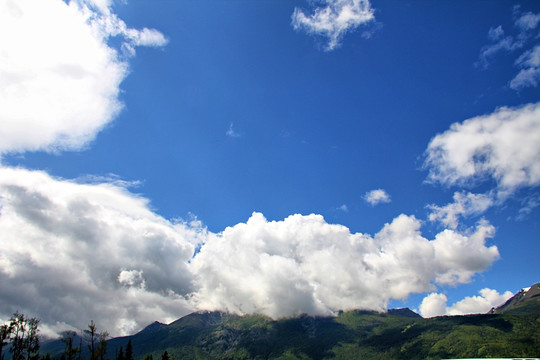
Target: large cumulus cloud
[305,265]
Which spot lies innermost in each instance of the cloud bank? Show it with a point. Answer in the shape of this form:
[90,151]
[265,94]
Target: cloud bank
[60,79]
[73,251]
[334,19]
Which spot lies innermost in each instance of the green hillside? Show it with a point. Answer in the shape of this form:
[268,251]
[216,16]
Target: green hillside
[509,331]
[351,335]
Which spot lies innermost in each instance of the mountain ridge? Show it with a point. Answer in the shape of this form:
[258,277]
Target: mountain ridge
[524,301]
[395,334]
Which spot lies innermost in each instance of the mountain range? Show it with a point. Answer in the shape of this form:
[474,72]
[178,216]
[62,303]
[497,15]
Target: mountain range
[511,330]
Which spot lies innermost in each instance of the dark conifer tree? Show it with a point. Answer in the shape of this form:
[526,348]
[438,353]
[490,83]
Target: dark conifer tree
[120,355]
[129,351]
[165,356]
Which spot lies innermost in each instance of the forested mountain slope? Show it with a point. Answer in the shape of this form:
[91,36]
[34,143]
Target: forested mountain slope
[510,331]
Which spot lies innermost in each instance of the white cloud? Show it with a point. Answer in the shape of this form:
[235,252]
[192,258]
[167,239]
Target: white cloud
[433,305]
[465,204]
[460,256]
[377,196]
[72,252]
[59,78]
[436,304]
[488,299]
[503,146]
[333,19]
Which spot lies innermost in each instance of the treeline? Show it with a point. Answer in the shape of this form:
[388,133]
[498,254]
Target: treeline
[20,337]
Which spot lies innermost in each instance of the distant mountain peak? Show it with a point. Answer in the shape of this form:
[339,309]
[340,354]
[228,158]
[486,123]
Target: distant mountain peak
[156,325]
[405,312]
[524,301]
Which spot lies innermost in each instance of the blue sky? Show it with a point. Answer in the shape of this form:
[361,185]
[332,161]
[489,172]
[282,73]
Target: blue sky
[204,112]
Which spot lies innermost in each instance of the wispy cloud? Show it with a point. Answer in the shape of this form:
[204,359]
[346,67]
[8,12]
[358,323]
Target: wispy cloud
[526,37]
[60,77]
[333,19]
[231,132]
[527,205]
[377,196]
[501,43]
[529,75]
